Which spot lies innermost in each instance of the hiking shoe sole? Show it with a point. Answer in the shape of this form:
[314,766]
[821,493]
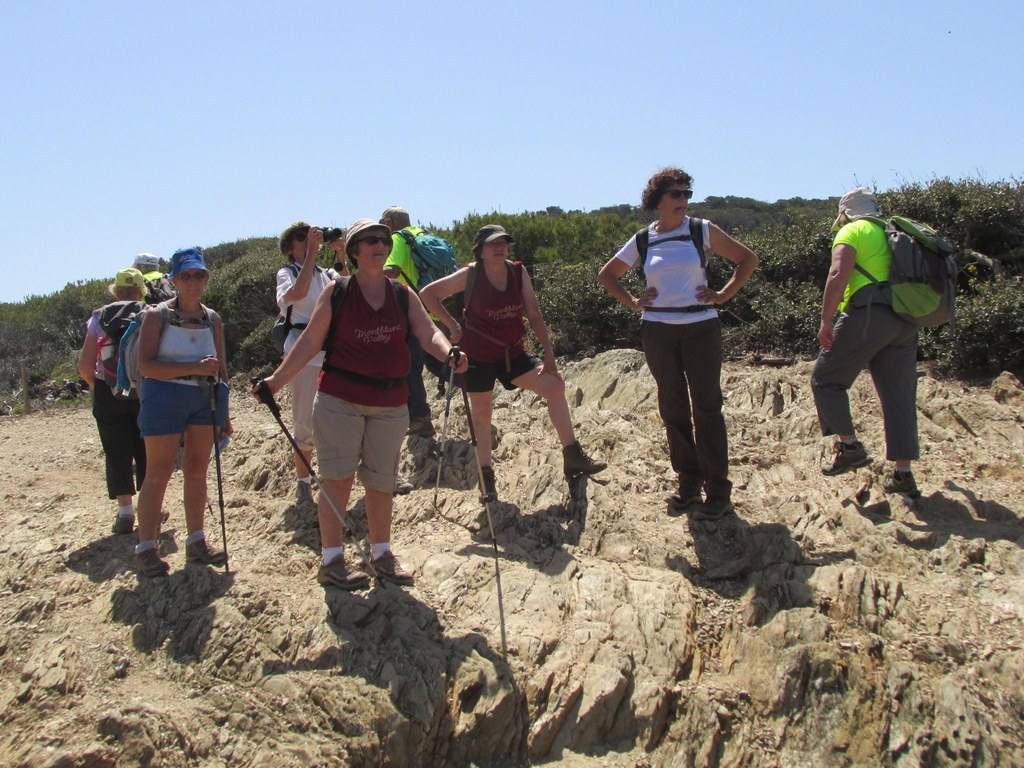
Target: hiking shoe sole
[709,511]
[678,506]
[833,472]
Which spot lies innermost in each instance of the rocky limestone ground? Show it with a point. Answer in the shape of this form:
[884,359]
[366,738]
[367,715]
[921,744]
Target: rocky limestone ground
[825,625]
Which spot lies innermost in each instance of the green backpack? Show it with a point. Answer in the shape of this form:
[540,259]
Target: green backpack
[922,276]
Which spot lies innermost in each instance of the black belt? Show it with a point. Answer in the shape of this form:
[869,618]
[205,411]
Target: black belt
[368,380]
[697,308]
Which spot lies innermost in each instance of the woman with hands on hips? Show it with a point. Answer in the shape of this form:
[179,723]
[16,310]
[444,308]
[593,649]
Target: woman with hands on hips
[682,335]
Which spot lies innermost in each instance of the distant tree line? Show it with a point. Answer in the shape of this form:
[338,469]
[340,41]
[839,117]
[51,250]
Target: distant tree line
[776,314]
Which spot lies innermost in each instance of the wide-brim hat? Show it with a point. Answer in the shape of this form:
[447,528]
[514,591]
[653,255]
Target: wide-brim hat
[186,259]
[488,233]
[284,242]
[361,227]
[855,204]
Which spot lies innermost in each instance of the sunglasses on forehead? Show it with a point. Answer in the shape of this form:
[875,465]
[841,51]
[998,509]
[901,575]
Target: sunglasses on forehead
[675,194]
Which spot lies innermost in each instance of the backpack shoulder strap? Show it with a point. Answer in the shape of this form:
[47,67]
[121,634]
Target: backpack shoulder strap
[515,271]
[470,282]
[402,296]
[643,238]
[338,293]
[697,236]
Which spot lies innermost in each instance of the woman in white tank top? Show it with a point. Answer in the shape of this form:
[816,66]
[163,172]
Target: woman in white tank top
[181,359]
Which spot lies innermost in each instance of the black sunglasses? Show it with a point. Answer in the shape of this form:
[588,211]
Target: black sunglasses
[374,239]
[300,236]
[675,194]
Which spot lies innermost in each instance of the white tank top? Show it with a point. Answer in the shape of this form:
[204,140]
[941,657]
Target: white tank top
[185,345]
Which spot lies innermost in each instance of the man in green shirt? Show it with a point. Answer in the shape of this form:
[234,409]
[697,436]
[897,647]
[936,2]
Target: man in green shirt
[401,266]
[866,333]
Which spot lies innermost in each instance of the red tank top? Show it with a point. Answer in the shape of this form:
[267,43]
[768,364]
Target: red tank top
[499,314]
[368,342]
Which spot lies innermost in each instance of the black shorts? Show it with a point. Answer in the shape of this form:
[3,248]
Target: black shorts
[481,376]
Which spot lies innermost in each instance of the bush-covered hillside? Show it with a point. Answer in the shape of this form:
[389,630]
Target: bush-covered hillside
[776,314]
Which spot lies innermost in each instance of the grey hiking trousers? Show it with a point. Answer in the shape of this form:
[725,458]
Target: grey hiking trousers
[875,337]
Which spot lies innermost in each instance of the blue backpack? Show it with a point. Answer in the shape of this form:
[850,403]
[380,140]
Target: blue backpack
[433,256]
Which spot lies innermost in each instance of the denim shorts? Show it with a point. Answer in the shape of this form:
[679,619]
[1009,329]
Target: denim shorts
[481,376]
[169,406]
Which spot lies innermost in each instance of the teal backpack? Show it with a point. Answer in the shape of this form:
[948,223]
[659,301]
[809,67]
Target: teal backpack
[433,256]
[922,277]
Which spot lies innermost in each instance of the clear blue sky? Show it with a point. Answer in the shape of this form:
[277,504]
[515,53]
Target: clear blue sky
[132,126]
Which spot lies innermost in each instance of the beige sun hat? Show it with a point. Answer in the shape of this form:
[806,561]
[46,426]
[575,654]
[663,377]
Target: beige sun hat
[855,204]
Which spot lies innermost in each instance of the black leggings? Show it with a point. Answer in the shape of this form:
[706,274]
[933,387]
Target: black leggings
[123,445]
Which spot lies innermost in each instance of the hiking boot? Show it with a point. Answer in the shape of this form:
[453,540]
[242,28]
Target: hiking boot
[402,486]
[149,564]
[576,462]
[201,552]
[123,524]
[421,426]
[337,574]
[684,500]
[490,491]
[303,493]
[901,482]
[715,508]
[847,457]
[388,568]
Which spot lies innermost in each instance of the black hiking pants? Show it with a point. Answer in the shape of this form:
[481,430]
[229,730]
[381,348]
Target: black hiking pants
[123,445]
[686,362]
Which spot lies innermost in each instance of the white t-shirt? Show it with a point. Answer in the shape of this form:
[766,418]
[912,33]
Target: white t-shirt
[302,309]
[673,267]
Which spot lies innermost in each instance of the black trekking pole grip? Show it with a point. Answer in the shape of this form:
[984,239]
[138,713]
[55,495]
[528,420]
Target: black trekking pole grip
[265,395]
[456,352]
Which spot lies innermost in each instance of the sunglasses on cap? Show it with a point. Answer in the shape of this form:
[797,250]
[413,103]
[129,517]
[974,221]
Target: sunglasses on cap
[374,239]
[675,194]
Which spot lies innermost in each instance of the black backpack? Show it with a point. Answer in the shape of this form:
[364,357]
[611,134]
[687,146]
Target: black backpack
[338,294]
[114,320]
[159,290]
[283,325]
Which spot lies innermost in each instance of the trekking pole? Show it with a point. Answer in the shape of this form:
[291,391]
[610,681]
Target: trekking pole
[490,525]
[456,353]
[267,398]
[214,386]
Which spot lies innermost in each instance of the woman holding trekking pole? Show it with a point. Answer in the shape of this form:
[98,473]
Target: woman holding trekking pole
[360,413]
[498,295]
[682,336]
[180,356]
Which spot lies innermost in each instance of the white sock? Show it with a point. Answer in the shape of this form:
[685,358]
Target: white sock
[330,554]
[195,536]
[379,550]
[142,546]
[306,480]
[126,510]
